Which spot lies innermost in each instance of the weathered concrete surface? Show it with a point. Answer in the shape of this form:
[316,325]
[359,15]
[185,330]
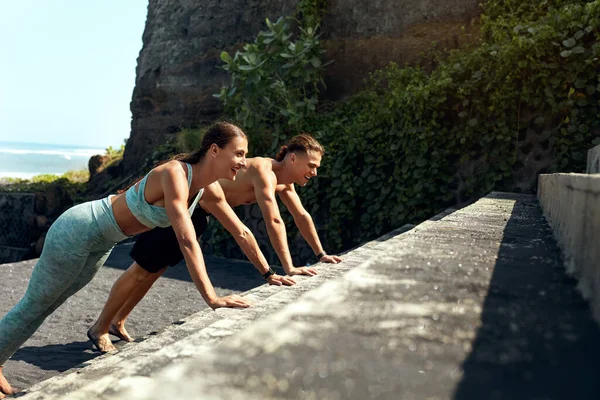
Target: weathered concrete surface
[192,337]
[571,204]
[593,160]
[61,343]
[475,305]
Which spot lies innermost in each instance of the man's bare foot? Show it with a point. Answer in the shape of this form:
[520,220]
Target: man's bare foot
[5,388]
[119,331]
[101,342]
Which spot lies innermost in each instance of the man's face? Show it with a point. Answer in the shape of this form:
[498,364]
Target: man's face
[305,166]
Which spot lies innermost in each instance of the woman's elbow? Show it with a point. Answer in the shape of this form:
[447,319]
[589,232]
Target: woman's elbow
[187,244]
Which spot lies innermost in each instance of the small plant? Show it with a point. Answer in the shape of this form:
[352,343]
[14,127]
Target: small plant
[114,154]
[274,83]
[190,139]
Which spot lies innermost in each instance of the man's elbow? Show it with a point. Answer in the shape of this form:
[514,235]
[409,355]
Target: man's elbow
[274,221]
[243,235]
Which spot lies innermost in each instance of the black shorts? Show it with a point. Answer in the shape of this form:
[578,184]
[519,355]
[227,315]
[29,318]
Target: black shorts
[155,249]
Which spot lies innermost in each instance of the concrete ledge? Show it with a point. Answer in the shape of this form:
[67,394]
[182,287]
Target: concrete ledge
[571,204]
[196,336]
[593,160]
[471,305]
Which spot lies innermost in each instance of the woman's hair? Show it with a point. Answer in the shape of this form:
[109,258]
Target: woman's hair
[301,143]
[220,133]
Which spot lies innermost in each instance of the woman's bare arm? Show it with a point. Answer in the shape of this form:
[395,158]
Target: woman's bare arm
[176,194]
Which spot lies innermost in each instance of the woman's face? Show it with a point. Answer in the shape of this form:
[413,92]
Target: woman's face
[305,166]
[232,158]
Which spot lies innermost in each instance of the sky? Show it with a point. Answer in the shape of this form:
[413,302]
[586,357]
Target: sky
[67,70]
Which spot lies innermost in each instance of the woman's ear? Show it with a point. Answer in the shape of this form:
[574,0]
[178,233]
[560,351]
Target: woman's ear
[214,149]
[293,157]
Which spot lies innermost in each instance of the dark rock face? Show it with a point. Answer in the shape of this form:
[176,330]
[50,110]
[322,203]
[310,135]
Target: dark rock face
[178,73]
[363,36]
[26,217]
[97,163]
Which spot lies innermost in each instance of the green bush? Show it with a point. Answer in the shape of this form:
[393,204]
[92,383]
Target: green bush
[416,141]
[274,84]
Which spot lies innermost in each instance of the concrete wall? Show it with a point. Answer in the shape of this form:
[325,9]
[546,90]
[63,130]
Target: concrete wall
[593,162]
[571,204]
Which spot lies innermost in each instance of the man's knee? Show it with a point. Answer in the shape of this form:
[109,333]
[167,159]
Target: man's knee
[140,275]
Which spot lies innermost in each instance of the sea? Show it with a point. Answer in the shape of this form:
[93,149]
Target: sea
[25,160]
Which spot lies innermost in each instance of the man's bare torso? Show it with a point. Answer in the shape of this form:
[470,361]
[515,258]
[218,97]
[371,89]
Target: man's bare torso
[241,190]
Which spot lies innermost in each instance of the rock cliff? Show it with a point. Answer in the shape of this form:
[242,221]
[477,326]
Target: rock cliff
[177,71]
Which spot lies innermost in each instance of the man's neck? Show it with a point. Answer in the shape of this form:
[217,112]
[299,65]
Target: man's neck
[281,173]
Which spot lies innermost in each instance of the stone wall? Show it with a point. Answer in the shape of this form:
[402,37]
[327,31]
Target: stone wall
[252,217]
[177,71]
[25,218]
[16,219]
[571,204]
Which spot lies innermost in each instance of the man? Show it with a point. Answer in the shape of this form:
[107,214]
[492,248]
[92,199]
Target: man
[263,178]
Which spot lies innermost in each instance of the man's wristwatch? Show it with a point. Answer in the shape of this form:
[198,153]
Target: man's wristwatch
[320,255]
[267,274]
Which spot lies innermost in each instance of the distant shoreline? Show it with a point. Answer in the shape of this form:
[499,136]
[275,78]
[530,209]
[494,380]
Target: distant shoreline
[27,160]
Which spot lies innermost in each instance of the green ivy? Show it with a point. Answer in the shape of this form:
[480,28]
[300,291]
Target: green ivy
[417,141]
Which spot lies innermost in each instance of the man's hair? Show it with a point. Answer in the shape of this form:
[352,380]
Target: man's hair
[302,143]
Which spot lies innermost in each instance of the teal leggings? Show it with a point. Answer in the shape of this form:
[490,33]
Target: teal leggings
[77,245]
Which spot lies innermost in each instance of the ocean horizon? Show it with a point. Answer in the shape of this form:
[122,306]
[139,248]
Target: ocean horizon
[26,160]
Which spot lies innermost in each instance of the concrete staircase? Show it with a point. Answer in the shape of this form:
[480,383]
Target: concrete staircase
[471,304]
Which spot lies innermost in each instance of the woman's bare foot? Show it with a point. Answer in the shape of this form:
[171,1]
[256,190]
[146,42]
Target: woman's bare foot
[5,388]
[101,342]
[119,331]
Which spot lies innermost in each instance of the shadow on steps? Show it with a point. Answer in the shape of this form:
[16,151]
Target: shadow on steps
[537,338]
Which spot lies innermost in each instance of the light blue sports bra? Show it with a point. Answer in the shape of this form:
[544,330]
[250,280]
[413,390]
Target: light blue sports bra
[151,215]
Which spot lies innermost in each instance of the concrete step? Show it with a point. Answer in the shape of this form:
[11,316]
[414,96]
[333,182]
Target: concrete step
[472,305]
[193,336]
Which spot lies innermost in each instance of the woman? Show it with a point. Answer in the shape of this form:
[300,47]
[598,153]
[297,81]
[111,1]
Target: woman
[262,179]
[81,239]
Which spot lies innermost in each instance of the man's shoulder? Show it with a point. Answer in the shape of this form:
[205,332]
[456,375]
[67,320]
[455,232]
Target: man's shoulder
[260,162]
[261,166]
